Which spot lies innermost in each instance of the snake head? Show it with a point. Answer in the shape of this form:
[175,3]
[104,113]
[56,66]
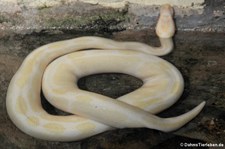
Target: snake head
[165,27]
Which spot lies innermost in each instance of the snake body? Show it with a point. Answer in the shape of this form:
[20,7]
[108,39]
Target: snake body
[94,113]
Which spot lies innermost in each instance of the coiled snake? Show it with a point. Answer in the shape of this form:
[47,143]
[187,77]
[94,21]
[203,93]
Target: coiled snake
[94,113]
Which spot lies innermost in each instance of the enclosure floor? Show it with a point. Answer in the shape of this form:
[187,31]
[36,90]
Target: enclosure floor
[199,57]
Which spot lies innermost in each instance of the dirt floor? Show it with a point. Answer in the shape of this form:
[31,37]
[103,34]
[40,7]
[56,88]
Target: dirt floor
[199,57]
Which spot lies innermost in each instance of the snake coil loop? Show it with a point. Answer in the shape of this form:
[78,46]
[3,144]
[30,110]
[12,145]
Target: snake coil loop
[94,113]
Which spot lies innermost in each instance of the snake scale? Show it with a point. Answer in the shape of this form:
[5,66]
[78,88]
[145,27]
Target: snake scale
[56,66]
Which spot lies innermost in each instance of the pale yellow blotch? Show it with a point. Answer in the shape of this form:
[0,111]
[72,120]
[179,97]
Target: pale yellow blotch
[62,90]
[146,71]
[62,79]
[85,127]
[32,120]
[23,79]
[75,56]
[56,45]
[84,98]
[176,88]
[164,66]
[71,119]
[147,103]
[161,84]
[53,127]
[36,83]
[27,68]
[35,106]
[21,106]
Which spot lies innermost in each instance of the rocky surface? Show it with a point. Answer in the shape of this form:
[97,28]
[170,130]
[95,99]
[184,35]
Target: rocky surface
[25,17]
[199,57]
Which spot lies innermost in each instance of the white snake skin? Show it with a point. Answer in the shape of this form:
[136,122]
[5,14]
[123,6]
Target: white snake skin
[56,67]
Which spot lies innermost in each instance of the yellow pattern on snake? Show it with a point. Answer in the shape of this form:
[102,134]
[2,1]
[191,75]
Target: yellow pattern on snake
[56,66]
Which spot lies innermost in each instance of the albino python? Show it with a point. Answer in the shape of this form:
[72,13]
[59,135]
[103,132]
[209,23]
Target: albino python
[56,67]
